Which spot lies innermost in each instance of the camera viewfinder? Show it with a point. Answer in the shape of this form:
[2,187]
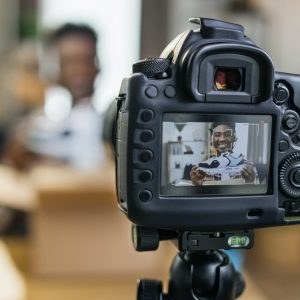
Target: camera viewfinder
[228,79]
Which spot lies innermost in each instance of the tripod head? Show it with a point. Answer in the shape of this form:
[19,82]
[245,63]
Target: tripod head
[200,271]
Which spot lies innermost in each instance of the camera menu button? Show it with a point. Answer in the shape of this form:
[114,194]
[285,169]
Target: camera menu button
[281,93]
[170,91]
[151,91]
[145,196]
[296,138]
[147,115]
[290,121]
[146,136]
[283,145]
[145,176]
[146,155]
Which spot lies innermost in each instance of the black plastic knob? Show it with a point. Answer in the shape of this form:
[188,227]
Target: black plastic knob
[151,67]
[150,290]
[145,239]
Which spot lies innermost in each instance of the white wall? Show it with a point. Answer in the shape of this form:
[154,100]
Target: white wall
[275,27]
[9,35]
[118,24]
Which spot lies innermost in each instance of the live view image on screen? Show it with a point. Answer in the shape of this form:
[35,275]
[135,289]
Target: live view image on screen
[215,154]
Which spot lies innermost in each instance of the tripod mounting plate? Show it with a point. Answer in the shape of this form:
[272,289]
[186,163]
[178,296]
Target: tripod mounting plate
[147,239]
[199,241]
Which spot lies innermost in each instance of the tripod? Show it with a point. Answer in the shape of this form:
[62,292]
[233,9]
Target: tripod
[198,274]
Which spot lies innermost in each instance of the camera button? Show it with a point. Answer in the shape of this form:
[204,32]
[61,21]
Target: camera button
[145,196]
[145,176]
[146,156]
[151,91]
[290,121]
[293,207]
[296,138]
[170,91]
[283,146]
[147,115]
[296,177]
[147,136]
[281,93]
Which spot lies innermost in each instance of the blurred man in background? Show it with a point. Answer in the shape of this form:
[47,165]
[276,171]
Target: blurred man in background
[72,137]
[78,62]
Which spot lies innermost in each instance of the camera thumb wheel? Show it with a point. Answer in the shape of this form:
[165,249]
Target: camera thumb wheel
[149,290]
[151,67]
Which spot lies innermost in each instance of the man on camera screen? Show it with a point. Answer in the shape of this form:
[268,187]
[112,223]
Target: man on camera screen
[224,164]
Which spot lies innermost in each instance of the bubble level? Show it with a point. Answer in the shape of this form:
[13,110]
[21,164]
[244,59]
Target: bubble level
[238,241]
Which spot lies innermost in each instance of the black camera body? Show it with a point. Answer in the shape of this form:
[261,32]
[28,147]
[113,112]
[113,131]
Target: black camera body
[208,136]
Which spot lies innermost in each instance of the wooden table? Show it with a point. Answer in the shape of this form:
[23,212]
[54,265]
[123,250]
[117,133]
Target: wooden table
[76,227]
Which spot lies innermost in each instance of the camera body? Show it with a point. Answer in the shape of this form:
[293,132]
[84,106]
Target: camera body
[208,136]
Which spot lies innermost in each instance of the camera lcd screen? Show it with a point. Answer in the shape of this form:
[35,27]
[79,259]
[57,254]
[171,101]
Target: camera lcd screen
[215,154]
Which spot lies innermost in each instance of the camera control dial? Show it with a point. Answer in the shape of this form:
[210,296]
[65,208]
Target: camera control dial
[151,67]
[289,175]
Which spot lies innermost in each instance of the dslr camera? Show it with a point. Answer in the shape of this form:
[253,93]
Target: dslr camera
[208,140]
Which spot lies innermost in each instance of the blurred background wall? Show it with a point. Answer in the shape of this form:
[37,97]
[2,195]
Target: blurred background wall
[272,25]
[138,29]
[9,18]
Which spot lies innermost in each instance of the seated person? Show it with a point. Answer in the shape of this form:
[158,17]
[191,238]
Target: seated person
[76,139]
